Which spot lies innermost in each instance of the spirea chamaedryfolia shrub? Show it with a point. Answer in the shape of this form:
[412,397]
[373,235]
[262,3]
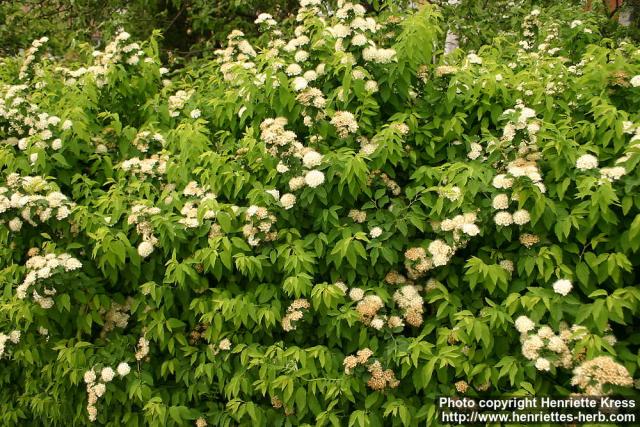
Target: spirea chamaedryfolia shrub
[333,225]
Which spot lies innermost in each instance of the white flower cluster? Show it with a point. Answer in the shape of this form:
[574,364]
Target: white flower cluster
[284,144]
[141,216]
[472,58]
[378,55]
[32,128]
[288,200]
[546,349]
[259,226]
[151,167]
[523,166]
[13,337]
[588,162]
[266,19]
[562,287]
[236,59]
[461,226]
[35,199]
[375,232]
[312,97]
[97,387]
[505,218]
[104,62]
[39,269]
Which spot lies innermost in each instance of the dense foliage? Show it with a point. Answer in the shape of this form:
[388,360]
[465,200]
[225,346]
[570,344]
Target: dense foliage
[332,225]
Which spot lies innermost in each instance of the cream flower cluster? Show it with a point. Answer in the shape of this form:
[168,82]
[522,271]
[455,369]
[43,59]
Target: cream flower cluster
[367,147]
[593,375]
[97,387]
[379,379]
[587,162]
[154,166]
[312,97]
[13,337]
[345,123]
[503,217]
[378,55]
[368,308]
[178,100]
[418,260]
[546,349]
[237,59]
[35,199]
[223,345]
[141,216]
[30,56]
[462,226]
[357,216]
[39,269]
[202,199]
[259,226]
[360,358]
[145,139]
[142,349]
[391,184]
[476,150]
[116,317]
[117,52]
[411,303]
[445,70]
[280,142]
[527,168]
[295,312]
[283,144]
[523,120]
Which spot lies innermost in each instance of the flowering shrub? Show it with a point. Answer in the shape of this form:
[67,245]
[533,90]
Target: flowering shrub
[335,224]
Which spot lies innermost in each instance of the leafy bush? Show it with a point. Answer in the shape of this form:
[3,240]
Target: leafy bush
[333,227]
